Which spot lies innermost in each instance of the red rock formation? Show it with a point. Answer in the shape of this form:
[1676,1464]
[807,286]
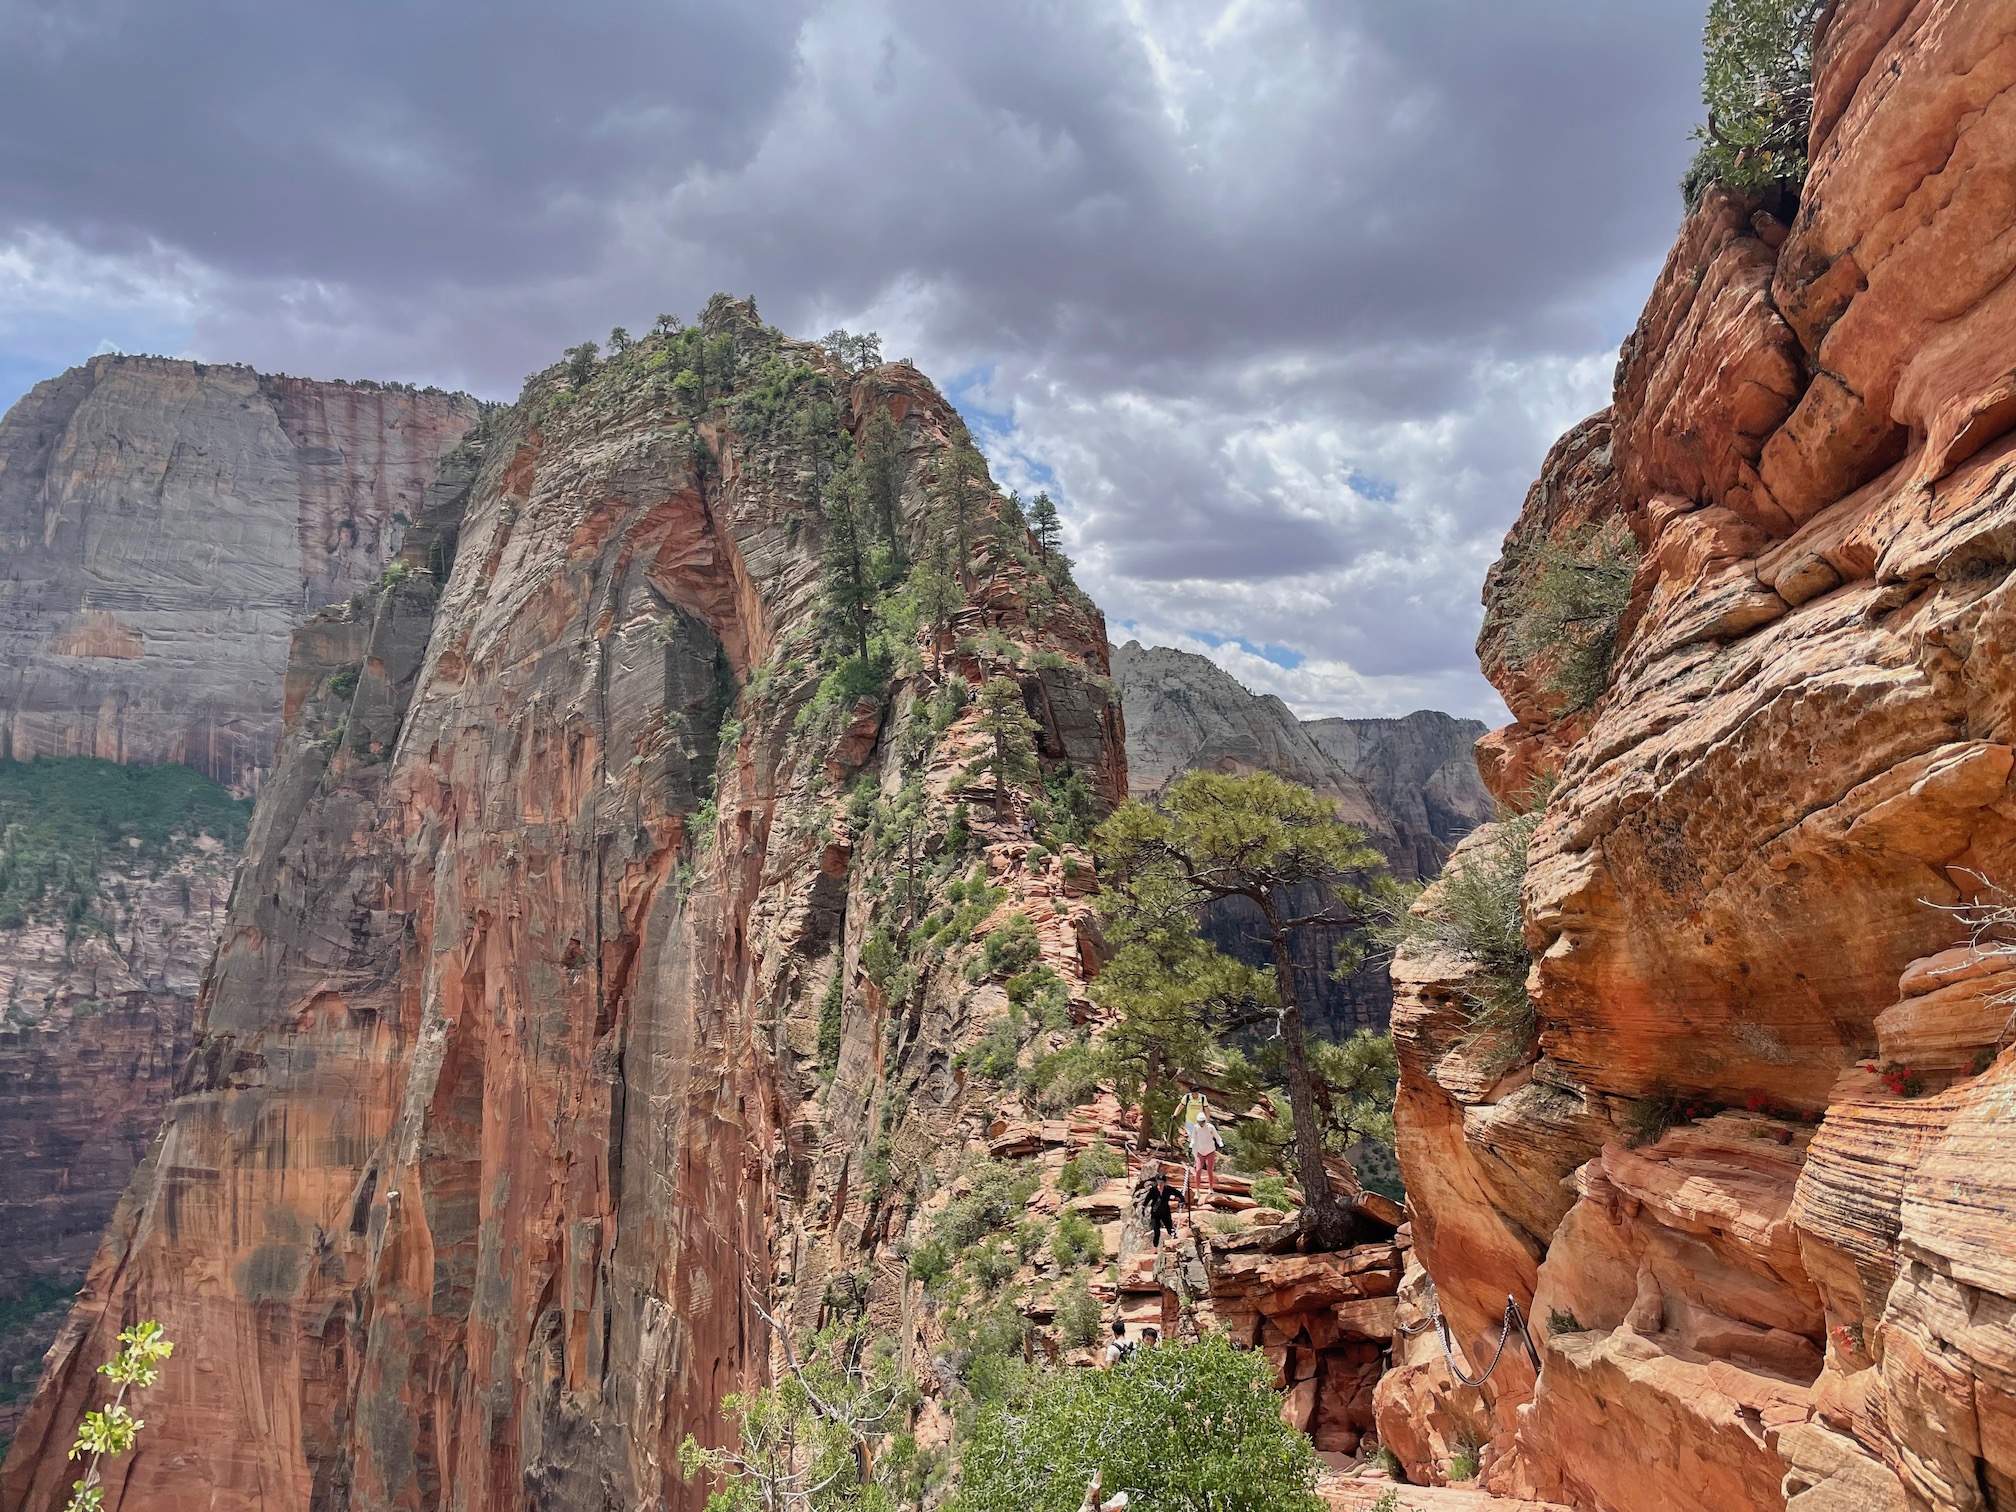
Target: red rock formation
[504,1105]
[1736,898]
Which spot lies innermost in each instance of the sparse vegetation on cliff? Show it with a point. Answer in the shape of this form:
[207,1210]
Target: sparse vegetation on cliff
[1757,82]
[1575,592]
[1476,910]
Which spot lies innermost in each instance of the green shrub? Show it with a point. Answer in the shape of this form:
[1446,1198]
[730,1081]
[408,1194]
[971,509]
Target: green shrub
[1463,1465]
[992,1263]
[1076,1241]
[1757,82]
[1179,1427]
[1478,913]
[997,1054]
[829,1024]
[344,682]
[1571,603]
[931,1261]
[998,1190]
[1031,1234]
[1559,1322]
[1272,1192]
[1078,1318]
[1013,947]
[1090,1169]
[1067,1079]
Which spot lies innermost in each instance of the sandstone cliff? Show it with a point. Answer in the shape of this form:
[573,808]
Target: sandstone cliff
[1411,784]
[1749,1176]
[510,1097]
[166,525]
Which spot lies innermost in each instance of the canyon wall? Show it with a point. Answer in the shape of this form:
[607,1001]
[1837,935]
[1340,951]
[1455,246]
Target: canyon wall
[518,1085]
[1410,784]
[166,525]
[1750,1176]
[93,1029]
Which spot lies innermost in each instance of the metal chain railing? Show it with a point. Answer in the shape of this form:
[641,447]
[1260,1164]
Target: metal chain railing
[1513,1319]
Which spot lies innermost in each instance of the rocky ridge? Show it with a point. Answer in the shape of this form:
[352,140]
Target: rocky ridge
[167,524]
[507,1101]
[1748,1177]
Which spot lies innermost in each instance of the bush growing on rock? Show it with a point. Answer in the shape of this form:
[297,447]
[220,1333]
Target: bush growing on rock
[1196,1428]
[1757,82]
[1476,911]
[1576,591]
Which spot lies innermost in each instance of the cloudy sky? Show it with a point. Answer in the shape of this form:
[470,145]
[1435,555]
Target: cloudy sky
[1282,299]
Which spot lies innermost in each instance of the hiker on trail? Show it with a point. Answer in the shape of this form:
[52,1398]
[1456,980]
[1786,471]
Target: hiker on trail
[1205,1144]
[1120,1348]
[1155,1200]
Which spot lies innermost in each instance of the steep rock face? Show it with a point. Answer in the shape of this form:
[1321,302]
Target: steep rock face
[505,1109]
[92,1033]
[1762,1273]
[1411,784]
[166,525]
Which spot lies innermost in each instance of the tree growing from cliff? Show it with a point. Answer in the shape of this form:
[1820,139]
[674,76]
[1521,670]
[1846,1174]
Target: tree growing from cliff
[1172,996]
[112,1430]
[1757,82]
[847,579]
[1046,526]
[1266,841]
[882,478]
[935,590]
[1009,757]
[962,477]
[1197,1428]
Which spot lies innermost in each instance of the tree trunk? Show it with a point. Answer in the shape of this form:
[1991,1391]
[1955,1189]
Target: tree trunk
[1151,1083]
[1325,1219]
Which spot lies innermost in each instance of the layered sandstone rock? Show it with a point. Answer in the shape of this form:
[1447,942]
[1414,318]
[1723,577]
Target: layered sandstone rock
[1763,1273]
[167,524]
[1411,784]
[506,1106]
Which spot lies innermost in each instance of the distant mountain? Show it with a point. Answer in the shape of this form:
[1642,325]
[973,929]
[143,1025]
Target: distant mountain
[1411,784]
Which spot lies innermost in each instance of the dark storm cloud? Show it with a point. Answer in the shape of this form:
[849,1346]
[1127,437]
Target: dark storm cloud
[378,142]
[1284,299]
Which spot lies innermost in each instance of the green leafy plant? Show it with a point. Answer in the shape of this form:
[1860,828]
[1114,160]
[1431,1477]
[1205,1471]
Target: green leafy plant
[112,1430]
[1757,83]
[1272,1192]
[799,1446]
[1078,1318]
[1076,1241]
[1560,1322]
[1194,1427]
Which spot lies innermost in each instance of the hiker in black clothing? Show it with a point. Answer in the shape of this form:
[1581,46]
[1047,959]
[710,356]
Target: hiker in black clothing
[1155,1200]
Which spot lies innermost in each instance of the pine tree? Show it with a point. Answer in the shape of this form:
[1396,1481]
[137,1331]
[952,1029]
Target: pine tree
[847,580]
[1046,526]
[882,471]
[1010,758]
[1266,841]
[935,590]
[961,476]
